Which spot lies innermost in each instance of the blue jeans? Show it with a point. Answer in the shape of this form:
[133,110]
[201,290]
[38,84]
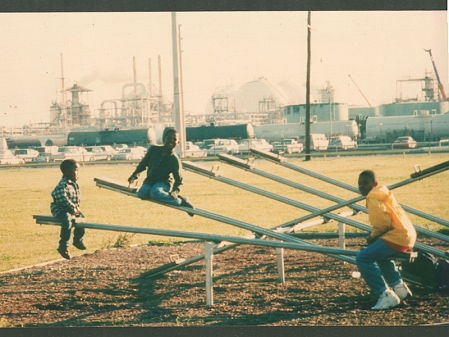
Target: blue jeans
[373,264]
[66,227]
[158,192]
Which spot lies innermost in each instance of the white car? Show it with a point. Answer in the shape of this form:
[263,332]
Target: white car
[193,150]
[28,155]
[341,142]
[7,157]
[288,146]
[95,153]
[71,152]
[130,153]
[228,146]
[259,144]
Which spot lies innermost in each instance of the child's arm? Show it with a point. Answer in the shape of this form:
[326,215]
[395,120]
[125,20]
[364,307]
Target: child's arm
[379,219]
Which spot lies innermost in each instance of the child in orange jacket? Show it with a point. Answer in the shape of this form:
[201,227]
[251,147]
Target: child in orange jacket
[392,232]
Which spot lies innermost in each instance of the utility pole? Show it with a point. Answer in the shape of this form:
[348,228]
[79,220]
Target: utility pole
[181,87]
[177,112]
[308,88]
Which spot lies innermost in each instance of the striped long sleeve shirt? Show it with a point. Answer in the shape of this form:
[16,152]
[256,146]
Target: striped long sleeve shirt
[66,196]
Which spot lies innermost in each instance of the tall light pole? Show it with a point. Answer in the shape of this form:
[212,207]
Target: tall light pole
[177,112]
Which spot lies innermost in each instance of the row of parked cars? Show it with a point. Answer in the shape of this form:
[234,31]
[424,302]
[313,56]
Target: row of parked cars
[79,153]
[208,147]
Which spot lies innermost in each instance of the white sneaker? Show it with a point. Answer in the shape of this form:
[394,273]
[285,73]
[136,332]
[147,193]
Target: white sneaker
[402,290]
[388,299]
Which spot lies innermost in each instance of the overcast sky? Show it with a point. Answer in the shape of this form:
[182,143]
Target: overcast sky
[218,49]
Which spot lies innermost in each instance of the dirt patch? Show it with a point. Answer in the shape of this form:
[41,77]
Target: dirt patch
[113,288]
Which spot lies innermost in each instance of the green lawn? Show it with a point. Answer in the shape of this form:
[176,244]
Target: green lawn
[26,191]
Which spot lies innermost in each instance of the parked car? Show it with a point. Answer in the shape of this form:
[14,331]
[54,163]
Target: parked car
[130,153]
[207,143]
[193,150]
[341,142]
[404,142]
[318,142]
[108,149]
[95,153]
[228,146]
[119,147]
[141,148]
[259,144]
[44,157]
[288,145]
[70,152]
[28,155]
[7,157]
[53,149]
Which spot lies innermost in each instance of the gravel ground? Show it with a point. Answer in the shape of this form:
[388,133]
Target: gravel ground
[114,288]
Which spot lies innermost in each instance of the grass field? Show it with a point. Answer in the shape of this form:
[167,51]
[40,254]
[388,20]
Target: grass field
[26,191]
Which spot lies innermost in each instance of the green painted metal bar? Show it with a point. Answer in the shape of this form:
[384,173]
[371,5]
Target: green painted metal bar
[113,185]
[316,210]
[215,238]
[340,202]
[415,176]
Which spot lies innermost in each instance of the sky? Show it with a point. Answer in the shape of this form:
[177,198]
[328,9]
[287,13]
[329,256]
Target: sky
[96,51]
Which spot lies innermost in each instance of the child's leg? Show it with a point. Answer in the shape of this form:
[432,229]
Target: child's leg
[78,233]
[144,192]
[366,262]
[66,226]
[390,272]
[159,192]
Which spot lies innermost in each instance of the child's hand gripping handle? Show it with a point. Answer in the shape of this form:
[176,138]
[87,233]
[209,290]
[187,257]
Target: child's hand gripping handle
[132,178]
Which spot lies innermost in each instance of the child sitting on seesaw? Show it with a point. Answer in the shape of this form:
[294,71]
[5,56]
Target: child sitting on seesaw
[164,173]
[66,206]
[392,232]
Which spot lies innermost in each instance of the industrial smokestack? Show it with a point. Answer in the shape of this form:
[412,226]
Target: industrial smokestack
[150,84]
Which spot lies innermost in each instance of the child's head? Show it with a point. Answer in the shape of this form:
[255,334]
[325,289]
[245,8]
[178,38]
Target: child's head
[367,180]
[171,139]
[70,169]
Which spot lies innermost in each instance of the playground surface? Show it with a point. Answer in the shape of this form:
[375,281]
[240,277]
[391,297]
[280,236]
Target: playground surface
[112,287]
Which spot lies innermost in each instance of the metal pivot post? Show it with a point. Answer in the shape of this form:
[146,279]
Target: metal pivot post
[209,257]
[341,236]
[280,263]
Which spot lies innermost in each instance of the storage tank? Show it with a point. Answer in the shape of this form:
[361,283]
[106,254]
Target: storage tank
[22,143]
[421,127]
[134,136]
[273,132]
[237,131]
[110,137]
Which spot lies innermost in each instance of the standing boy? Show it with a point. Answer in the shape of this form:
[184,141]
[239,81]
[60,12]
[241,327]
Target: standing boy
[164,174]
[66,206]
[392,232]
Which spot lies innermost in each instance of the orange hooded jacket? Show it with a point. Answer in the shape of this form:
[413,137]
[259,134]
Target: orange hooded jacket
[388,219]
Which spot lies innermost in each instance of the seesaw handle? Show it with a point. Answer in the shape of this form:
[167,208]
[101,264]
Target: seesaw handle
[431,169]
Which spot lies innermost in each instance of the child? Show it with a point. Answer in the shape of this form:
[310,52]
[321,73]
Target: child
[66,206]
[392,232]
[164,174]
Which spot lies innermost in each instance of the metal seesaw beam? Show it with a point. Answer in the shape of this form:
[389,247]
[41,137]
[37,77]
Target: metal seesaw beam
[116,186]
[212,237]
[417,175]
[336,217]
[197,168]
[340,202]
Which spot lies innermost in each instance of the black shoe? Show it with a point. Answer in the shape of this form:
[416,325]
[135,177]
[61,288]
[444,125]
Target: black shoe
[79,244]
[64,252]
[185,202]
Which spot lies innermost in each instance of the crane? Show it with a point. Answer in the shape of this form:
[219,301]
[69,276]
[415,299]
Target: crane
[440,85]
[359,89]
